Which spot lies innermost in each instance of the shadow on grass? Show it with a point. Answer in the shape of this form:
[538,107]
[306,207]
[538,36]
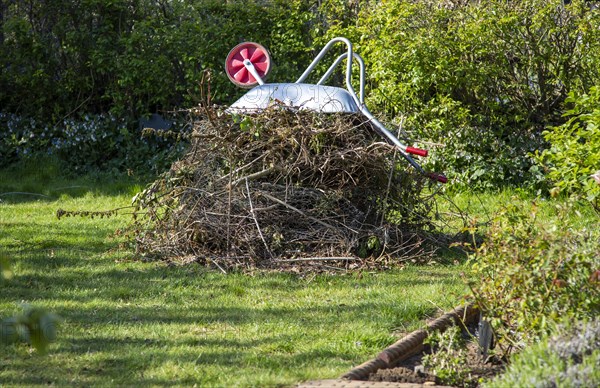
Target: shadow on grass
[126,322]
[123,323]
[47,179]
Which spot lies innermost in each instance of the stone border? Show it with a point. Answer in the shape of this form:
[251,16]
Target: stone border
[413,343]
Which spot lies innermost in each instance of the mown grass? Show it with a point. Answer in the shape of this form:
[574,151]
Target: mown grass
[135,323]
[482,208]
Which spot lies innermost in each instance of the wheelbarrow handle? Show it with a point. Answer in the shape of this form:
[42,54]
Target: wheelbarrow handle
[437,177]
[416,151]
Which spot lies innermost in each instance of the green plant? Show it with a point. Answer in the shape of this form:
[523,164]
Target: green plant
[34,326]
[448,357]
[529,273]
[568,358]
[574,153]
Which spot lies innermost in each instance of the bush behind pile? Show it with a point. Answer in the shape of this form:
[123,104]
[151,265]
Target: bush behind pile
[480,80]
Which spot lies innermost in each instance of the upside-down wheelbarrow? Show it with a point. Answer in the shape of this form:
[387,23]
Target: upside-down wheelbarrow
[248,64]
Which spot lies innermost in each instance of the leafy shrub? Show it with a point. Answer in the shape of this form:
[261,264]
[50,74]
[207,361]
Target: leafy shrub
[63,57]
[479,80]
[529,273]
[448,357]
[91,141]
[468,150]
[569,358]
[574,152]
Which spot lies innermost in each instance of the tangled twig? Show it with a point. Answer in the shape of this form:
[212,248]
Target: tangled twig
[282,187]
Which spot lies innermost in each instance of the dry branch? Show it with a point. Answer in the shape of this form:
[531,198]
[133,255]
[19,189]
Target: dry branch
[285,187]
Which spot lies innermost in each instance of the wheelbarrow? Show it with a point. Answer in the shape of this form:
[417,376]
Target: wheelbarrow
[248,64]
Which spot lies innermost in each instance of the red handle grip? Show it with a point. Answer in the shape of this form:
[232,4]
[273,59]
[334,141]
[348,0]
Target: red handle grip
[438,177]
[416,151]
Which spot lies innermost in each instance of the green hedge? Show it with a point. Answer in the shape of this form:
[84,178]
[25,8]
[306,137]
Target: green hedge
[133,57]
[476,82]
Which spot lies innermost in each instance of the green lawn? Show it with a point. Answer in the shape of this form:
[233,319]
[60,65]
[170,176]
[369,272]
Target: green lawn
[135,323]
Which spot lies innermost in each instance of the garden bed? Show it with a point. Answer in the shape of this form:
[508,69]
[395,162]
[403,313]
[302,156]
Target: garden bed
[404,360]
[411,370]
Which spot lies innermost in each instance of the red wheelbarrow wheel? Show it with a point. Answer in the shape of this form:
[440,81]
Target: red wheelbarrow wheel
[234,64]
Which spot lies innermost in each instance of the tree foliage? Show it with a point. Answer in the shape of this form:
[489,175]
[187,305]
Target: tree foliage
[132,57]
[478,81]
